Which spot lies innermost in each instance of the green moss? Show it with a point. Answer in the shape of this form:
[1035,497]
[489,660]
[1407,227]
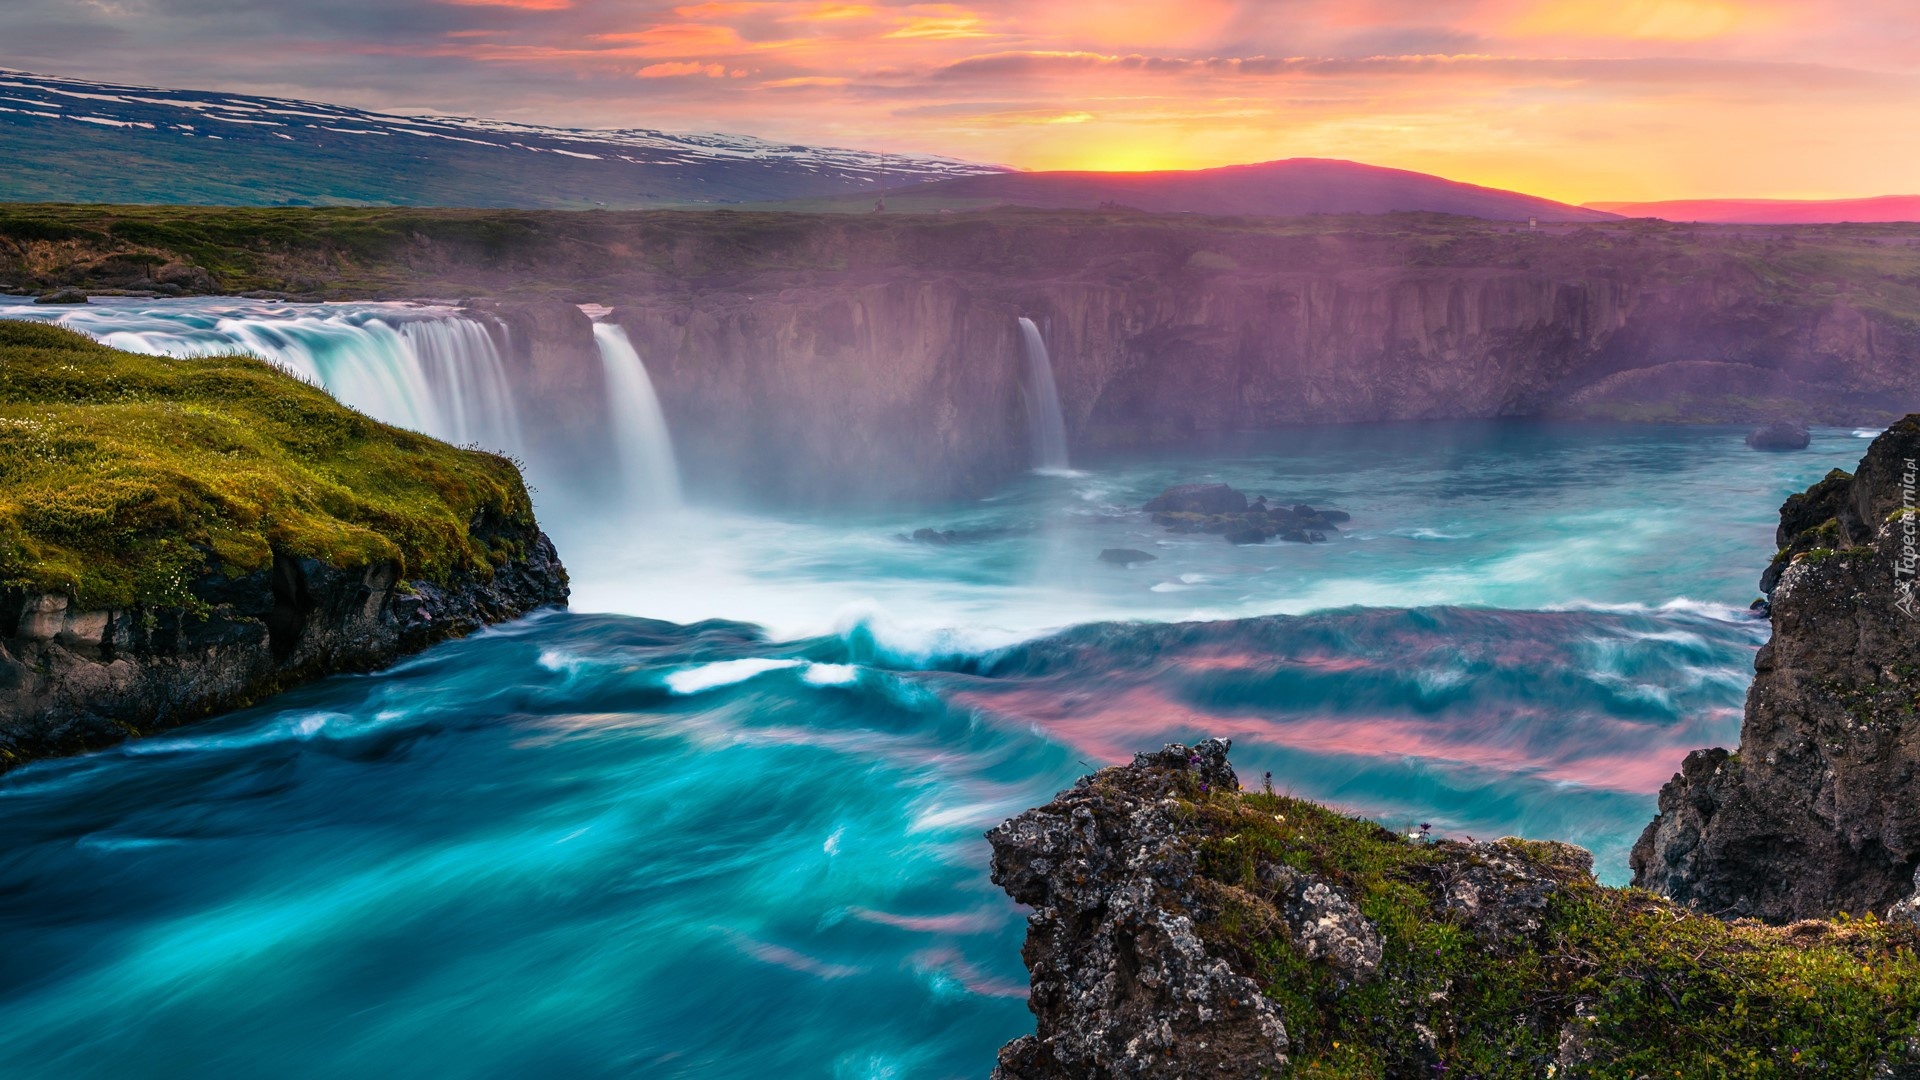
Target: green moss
[123,477]
[1651,989]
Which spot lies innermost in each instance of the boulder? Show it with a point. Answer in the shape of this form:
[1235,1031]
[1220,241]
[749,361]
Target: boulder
[1779,435]
[1198,499]
[63,296]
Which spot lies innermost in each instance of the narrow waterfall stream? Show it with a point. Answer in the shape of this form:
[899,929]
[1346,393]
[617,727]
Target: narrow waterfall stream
[650,476]
[1045,422]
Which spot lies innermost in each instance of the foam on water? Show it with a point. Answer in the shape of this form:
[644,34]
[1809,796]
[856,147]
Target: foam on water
[745,839]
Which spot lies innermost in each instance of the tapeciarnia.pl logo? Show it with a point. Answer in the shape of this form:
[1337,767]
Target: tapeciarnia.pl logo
[1905,564]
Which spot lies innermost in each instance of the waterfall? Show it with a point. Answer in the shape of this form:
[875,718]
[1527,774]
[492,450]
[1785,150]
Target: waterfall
[1046,426]
[433,370]
[647,470]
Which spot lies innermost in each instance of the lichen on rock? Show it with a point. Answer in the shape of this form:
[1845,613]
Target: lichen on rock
[1183,927]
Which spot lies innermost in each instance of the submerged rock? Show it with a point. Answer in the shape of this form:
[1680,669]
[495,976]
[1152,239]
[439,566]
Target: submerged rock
[1185,508]
[1815,812]
[1779,435]
[1198,499]
[948,537]
[1126,556]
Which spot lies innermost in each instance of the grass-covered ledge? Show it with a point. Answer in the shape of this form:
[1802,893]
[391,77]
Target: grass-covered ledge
[123,477]
[1182,926]
[1545,973]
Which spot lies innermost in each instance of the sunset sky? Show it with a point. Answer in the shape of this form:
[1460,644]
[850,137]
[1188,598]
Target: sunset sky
[1572,99]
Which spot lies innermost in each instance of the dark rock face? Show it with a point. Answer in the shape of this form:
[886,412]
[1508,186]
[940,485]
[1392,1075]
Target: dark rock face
[1816,812]
[73,680]
[1779,435]
[1198,499]
[1222,511]
[1122,986]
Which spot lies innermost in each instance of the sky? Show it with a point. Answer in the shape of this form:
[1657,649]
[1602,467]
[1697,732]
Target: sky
[1572,99]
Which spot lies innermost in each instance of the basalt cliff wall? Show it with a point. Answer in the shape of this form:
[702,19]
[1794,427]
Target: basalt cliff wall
[73,679]
[847,358]
[1814,812]
[889,365]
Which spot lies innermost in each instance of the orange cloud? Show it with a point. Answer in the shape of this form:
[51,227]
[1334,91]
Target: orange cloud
[676,70]
[1647,20]
[804,80]
[1573,99]
[524,5]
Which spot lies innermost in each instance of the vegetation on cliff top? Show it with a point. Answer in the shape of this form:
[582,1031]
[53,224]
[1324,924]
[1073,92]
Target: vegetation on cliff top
[357,252]
[1609,982]
[123,478]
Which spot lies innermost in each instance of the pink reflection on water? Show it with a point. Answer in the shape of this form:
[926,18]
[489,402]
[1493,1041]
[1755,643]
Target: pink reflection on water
[1111,725]
[971,922]
[951,963]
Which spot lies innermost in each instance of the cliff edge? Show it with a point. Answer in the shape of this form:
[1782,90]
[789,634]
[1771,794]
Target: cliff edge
[1182,927]
[1815,813]
[179,537]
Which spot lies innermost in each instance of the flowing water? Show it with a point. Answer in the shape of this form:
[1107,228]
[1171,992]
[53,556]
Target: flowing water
[640,435]
[1046,424]
[744,840]
[427,367]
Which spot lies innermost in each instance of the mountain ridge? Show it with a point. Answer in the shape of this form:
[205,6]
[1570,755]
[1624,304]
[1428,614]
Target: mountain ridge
[1288,187]
[114,143]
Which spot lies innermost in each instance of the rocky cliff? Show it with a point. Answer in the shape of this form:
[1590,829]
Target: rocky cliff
[840,357]
[1182,927]
[183,536]
[1815,812]
[73,679]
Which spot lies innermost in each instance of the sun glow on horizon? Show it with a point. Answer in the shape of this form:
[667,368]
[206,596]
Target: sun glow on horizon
[1577,100]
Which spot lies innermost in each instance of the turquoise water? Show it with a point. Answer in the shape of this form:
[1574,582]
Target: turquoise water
[593,844]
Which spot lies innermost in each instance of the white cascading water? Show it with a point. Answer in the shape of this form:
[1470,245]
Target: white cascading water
[1046,425]
[433,370]
[640,435]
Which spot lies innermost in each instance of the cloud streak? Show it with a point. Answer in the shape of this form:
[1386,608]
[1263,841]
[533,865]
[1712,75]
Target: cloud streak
[1574,99]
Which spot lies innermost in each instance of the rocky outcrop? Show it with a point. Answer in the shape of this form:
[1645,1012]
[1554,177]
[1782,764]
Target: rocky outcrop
[1173,915]
[1122,984]
[1223,511]
[73,680]
[1779,435]
[1815,813]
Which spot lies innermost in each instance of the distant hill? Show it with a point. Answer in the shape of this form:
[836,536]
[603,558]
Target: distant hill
[1290,188]
[75,141]
[1772,211]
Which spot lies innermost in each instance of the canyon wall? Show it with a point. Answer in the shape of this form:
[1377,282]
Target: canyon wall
[847,358]
[844,386]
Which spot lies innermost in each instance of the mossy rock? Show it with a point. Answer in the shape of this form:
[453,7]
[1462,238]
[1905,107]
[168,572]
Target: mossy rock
[1597,981]
[123,478]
